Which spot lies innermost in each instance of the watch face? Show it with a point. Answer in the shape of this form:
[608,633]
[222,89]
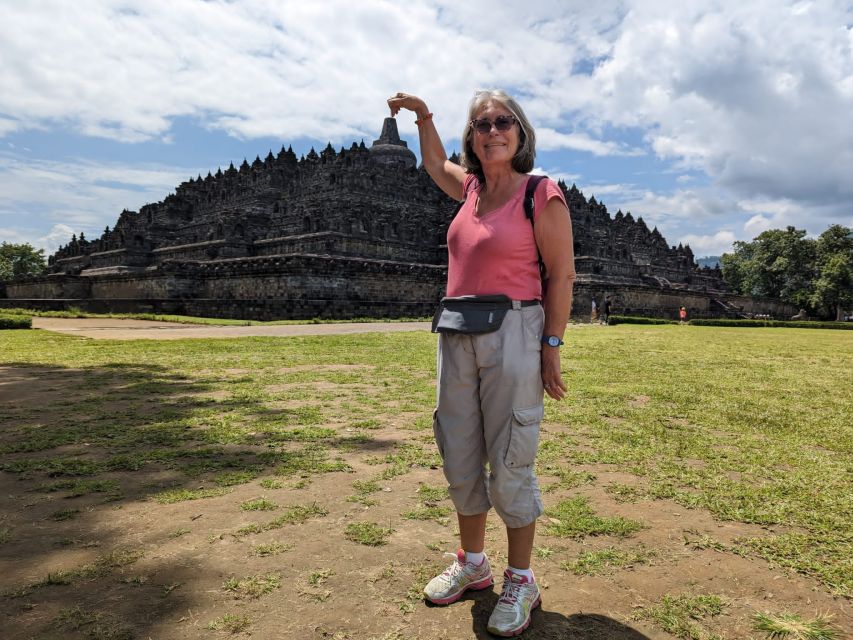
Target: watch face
[553,341]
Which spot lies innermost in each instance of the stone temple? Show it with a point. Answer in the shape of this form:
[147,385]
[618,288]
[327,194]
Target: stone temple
[358,232]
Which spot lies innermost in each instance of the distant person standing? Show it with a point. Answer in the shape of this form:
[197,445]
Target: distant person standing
[605,310]
[682,315]
[593,316]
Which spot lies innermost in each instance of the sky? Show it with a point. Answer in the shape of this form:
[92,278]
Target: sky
[713,120]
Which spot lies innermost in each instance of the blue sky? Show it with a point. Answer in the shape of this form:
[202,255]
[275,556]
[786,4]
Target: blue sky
[712,120]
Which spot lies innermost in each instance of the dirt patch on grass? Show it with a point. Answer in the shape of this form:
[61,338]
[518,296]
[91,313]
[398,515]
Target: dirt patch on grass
[121,329]
[638,401]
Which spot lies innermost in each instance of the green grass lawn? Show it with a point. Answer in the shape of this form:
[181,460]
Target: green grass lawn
[753,426]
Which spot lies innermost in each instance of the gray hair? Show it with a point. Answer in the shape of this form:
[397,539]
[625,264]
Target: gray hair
[523,159]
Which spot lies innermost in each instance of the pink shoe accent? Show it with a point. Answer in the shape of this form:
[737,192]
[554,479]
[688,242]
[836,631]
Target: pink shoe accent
[509,598]
[485,583]
[473,586]
[523,628]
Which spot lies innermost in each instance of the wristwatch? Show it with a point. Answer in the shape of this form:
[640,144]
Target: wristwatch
[552,341]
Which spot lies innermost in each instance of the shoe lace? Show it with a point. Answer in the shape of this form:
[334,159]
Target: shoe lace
[510,592]
[454,569]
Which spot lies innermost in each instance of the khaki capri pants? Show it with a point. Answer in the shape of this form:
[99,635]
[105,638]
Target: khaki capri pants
[490,406]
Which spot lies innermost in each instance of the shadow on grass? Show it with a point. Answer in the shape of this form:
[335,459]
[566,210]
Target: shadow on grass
[551,625]
[80,445]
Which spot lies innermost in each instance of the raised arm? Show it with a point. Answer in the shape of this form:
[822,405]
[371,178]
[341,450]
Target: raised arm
[447,175]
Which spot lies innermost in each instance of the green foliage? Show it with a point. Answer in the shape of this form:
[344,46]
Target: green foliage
[437,513]
[789,324]
[102,566]
[76,488]
[603,561]
[429,493]
[98,626]
[680,615]
[233,478]
[259,504]
[791,626]
[64,514]
[15,322]
[253,586]
[271,549]
[230,623]
[832,291]
[776,264]
[574,518]
[296,514]
[368,533]
[813,274]
[825,556]
[18,260]
[182,495]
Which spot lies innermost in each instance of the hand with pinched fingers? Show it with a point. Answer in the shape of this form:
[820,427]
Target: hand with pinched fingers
[405,101]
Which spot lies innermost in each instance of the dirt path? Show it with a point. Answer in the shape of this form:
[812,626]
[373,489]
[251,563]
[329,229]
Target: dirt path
[121,329]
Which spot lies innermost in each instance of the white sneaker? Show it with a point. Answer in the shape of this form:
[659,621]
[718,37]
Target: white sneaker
[519,598]
[460,576]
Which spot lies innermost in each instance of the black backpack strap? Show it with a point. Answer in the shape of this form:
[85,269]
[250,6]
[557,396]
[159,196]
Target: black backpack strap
[529,191]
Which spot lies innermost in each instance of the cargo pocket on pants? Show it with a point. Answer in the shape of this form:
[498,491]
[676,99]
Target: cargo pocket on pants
[524,436]
[439,436]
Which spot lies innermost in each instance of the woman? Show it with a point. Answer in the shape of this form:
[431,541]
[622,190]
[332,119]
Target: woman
[490,385]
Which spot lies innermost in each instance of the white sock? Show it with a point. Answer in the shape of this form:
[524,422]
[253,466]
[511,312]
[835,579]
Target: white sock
[474,558]
[528,573]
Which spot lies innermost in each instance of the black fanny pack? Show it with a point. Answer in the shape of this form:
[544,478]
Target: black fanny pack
[474,314]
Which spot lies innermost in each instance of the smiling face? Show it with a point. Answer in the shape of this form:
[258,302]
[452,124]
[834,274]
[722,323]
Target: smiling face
[495,147]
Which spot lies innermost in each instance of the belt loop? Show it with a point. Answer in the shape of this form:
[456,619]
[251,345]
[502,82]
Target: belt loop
[516,304]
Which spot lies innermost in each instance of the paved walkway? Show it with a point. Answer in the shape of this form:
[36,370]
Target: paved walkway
[119,329]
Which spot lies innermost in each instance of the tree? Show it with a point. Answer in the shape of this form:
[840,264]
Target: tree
[776,264]
[832,290]
[18,260]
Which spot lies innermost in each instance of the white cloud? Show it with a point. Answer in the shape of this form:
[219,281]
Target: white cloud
[709,245]
[58,235]
[678,207]
[258,67]
[757,224]
[7,126]
[556,174]
[758,96]
[548,140]
[12,236]
[70,197]
[749,93]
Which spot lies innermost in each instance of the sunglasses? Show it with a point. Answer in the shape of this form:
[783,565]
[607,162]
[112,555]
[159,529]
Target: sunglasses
[501,123]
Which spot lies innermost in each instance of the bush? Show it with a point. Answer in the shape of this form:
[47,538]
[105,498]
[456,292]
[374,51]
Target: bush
[789,324]
[638,320]
[15,322]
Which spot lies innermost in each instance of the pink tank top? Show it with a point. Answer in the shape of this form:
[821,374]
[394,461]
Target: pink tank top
[496,253]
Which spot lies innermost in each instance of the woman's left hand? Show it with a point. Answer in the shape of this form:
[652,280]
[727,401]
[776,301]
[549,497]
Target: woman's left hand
[552,378]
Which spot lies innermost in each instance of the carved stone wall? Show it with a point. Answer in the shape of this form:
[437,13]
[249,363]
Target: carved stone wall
[267,237]
[264,288]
